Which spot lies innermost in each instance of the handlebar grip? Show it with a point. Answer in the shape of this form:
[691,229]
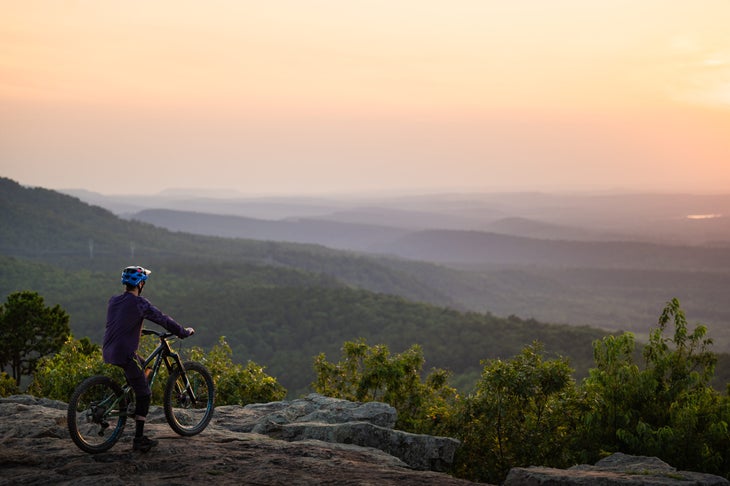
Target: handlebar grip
[150,332]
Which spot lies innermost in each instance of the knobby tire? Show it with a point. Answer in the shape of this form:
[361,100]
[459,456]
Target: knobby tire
[184,416]
[93,427]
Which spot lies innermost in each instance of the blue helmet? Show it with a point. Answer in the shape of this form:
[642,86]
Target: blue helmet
[134,275]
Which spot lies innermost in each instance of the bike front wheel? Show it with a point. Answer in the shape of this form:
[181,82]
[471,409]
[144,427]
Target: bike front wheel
[188,399]
[97,412]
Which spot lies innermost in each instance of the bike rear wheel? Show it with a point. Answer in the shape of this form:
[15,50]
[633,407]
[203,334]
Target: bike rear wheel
[97,412]
[188,410]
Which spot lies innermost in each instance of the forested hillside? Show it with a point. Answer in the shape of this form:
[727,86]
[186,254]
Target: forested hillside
[568,276]
[333,234]
[472,247]
[279,304]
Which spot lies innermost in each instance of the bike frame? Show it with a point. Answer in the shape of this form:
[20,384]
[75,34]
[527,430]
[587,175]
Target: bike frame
[163,353]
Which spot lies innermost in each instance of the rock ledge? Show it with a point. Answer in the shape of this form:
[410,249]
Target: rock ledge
[614,470]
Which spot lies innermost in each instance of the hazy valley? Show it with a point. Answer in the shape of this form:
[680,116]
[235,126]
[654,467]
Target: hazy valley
[467,277]
[602,260]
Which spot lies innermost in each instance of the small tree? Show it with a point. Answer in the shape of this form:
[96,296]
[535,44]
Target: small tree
[522,413]
[371,373]
[612,393]
[7,385]
[668,409]
[677,407]
[30,331]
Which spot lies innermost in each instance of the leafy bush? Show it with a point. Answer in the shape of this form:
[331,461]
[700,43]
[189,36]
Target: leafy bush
[237,384]
[522,413]
[8,386]
[370,373]
[57,376]
[668,409]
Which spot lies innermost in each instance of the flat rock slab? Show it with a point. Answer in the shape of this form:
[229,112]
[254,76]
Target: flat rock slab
[617,469]
[36,449]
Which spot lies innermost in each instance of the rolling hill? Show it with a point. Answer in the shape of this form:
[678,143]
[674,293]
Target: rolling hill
[333,234]
[277,303]
[614,284]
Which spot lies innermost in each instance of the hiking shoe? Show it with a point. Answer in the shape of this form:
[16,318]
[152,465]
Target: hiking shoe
[143,444]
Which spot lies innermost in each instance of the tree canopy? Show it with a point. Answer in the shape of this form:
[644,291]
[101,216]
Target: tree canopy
[30,331]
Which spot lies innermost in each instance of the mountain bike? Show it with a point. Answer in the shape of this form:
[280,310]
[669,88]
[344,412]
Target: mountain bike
[99,406]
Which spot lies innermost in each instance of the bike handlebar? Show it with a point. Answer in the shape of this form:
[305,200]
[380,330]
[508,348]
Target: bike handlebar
[168,334]
[162,335]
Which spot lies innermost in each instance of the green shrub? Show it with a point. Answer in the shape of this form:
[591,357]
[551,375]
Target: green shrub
[370,373]
[522,413]
[8,385]
[667,409]
[237,384]
[57,376]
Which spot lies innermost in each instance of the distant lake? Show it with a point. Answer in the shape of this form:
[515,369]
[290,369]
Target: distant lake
[704,216]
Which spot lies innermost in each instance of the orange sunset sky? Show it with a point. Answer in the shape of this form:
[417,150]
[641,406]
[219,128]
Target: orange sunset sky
[333,96]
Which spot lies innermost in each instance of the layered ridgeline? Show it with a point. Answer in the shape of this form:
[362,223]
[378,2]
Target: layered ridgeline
[278,304]
[614,268]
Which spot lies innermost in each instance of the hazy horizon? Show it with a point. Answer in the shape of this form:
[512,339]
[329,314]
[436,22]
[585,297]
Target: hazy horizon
[405,192]
[337,98]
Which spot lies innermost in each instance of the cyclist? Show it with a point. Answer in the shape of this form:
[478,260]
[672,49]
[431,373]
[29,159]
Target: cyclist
[124,317]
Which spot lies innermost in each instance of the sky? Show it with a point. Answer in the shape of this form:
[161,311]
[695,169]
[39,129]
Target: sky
[347,97]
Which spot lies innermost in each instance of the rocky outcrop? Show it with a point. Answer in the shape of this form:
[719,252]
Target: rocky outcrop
[35,448]
[315,440]
[340,421]
[617,469]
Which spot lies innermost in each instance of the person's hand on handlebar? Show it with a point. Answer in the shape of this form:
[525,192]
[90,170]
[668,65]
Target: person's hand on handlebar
[190,331]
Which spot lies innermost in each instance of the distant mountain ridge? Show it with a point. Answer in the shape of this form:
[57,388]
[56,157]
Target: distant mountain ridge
[333,234]
[472,247]
[679,219]
[339,231]
[68,250]
[449,246]
[518,226]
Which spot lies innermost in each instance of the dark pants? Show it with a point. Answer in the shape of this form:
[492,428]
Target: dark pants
[134,372]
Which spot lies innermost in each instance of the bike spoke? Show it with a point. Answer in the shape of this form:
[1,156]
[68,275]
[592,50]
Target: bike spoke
[189,407]
[96,414]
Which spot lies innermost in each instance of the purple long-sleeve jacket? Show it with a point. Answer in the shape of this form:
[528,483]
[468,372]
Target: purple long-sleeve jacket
[124,317]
